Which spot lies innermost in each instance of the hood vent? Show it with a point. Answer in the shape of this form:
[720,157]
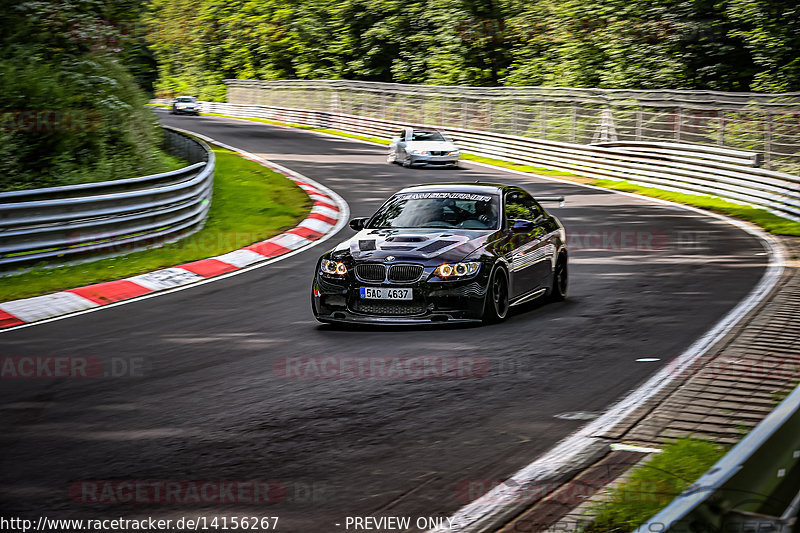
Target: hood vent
[406,238]
[436,245]
[366,246]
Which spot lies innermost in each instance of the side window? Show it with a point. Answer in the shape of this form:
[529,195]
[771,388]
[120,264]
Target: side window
[520,204]
[534,208]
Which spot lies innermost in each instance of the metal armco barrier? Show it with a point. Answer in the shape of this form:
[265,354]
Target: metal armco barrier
[754,488]
[694,169]
[65,224]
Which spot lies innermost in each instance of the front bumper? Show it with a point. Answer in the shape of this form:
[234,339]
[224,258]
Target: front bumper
[433,160]
[436,302]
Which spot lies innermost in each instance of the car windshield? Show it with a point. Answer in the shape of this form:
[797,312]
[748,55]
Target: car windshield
[438,210]
[427,136]
[185,99]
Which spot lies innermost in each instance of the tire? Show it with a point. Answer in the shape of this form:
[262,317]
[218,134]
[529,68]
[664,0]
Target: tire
[496,304]
[558,290]
[407,162]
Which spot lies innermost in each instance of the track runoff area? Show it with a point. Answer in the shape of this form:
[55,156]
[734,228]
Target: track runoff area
[211,398]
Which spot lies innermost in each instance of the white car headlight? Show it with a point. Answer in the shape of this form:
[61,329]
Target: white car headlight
[418,152]
[333,268]
[457,269]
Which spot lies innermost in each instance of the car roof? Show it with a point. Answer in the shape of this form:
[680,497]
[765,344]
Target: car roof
[476,188]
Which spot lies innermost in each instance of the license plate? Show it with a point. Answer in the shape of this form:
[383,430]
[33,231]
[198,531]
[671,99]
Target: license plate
[386,293]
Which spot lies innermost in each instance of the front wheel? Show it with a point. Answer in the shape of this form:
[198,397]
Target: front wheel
[496,305]
[558,291]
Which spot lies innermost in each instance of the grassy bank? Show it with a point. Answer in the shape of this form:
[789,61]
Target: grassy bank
[250,203]
[653,485]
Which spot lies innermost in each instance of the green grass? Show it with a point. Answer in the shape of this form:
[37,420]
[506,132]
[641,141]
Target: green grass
[521,167]
[760,217]
[250,203]
[654,484]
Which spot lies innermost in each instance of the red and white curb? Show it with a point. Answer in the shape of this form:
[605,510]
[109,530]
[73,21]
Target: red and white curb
[328,215]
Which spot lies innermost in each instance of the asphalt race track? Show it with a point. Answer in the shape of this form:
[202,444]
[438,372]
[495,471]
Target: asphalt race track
[205,402]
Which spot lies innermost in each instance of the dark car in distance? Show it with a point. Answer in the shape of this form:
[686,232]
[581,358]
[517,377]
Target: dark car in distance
[451,252]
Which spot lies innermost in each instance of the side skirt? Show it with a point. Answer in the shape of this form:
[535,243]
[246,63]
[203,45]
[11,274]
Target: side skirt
[528,297]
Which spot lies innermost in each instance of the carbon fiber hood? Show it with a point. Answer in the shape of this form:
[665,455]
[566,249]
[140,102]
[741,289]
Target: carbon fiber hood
[419,245]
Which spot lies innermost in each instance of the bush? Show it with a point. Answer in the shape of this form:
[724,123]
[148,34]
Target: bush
[70,112]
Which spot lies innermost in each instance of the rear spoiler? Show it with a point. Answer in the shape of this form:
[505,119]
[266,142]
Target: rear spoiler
[559,199]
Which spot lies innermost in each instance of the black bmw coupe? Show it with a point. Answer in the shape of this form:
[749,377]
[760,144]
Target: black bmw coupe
[451,252]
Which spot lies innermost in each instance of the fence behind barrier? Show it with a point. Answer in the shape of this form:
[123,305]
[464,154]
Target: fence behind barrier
[765,123]
[694,169]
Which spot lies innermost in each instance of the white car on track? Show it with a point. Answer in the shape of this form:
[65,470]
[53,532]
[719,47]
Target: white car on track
[185,105]
[422,146]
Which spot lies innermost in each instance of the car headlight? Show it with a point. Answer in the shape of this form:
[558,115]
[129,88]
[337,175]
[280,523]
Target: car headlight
[418,152]
[456,270]
[333,268]
[453,152]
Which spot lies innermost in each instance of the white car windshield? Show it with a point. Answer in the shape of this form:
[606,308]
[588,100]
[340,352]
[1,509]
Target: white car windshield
[185,99]
[438,210]
[427,136]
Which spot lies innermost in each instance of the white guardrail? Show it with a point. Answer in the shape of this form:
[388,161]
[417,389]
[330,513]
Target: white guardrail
[72,223]
[688,168]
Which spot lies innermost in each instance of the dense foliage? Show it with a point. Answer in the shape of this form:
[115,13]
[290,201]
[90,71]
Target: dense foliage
[70,110]
[686,44]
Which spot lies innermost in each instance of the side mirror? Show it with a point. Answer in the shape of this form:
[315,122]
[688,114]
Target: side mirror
[519,225]
[358,223]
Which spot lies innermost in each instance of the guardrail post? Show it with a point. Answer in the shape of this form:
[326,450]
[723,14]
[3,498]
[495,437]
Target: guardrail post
[514,111]
[639,119]
[574,134]
[768,141]
[543,115]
